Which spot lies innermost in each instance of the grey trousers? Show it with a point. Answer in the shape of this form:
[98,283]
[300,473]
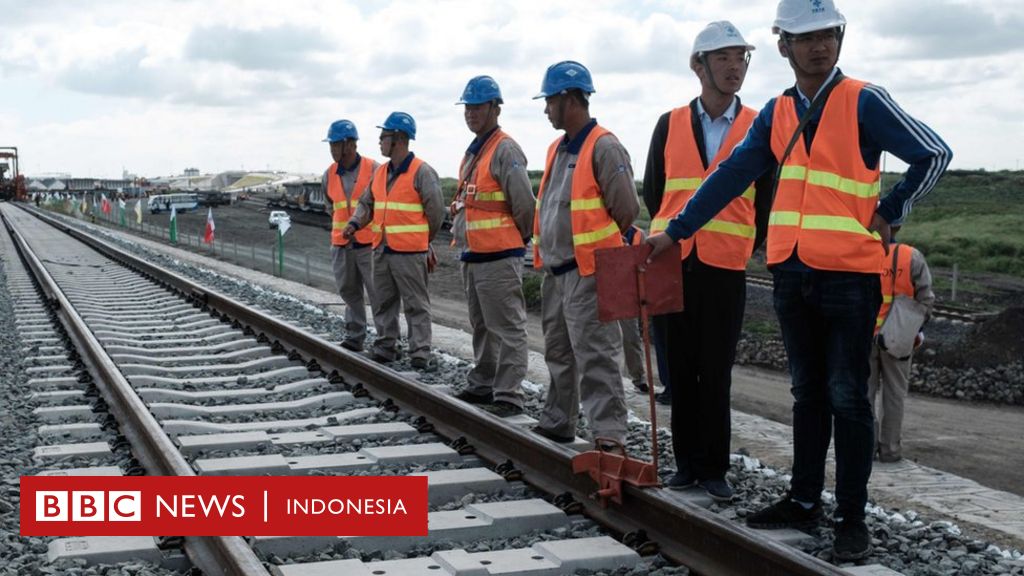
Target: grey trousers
[890,378]
[633,350]
[353,273]
[401,284]
[583,357]
[497,313]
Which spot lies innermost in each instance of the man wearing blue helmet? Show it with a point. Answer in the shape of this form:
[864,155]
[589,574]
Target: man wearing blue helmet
[587,200]
[404,203]
[492,221]
[345,181]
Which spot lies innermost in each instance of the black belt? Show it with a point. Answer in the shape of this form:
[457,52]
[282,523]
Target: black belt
[567,267]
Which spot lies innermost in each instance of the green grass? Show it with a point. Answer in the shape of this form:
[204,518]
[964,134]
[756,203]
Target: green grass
[974,219]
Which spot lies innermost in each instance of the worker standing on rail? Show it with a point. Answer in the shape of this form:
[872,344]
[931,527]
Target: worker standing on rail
[405,204]
[687,145]
[827,235]
[345,181]
[587,200]
[492,215]
[904,273]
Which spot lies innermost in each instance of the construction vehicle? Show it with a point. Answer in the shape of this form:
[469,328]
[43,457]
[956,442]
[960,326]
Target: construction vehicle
[12,182]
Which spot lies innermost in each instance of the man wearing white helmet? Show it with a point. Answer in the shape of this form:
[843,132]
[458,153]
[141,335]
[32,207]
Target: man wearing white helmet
[687,145]
[828,233]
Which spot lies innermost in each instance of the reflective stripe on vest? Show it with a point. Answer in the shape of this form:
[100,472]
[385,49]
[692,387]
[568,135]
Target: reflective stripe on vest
[826,199]
[399,212]
[344,208]
[727,240]
[592,225]
[489,223]
[904,283]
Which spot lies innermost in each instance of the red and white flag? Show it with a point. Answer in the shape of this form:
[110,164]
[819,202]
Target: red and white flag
[208,236]
[105,206]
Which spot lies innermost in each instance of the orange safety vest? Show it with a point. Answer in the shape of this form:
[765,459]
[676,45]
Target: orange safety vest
[344,207]
[727,240]
[904,284]
[826,199]
[489,223]
[399,213]
[592,225]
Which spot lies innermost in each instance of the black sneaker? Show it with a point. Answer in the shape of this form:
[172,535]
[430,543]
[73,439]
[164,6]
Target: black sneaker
[786,514]
[852,541]
[719,490]
[475,397]
[503,409]
[681,481]
[639,385]
[663,398]
[552,436]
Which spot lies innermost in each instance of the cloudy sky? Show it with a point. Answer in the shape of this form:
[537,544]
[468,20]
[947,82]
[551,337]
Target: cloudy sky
[90,87]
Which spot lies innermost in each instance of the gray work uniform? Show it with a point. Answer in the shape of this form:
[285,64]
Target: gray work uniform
[400,279]
[890,376]
[352,265]
[582,353]
[494,283]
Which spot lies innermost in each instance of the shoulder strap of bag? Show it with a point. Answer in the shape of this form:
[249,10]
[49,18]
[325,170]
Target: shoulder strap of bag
[816,104]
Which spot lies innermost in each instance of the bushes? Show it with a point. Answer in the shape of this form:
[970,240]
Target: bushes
[531,290]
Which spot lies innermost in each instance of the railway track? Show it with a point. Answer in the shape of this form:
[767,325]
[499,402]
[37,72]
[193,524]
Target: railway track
[201,384]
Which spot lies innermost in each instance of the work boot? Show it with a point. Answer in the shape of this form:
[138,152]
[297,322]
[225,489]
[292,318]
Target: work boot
[552,436]
[852,541]
[424,364]
[503,409]
[475,397]
[786,513]
[640,385]
[353,345]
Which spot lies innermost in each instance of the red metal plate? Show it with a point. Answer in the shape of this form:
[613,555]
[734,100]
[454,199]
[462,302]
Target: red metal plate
[618,292]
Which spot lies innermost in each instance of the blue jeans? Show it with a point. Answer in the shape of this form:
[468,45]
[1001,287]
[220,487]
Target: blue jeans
[827,321]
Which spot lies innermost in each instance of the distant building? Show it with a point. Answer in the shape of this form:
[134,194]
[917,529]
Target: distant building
[191,172]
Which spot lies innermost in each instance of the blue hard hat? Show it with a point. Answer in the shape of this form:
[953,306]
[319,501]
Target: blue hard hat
[480,90]
[402,122]
[564,76]
[341,130]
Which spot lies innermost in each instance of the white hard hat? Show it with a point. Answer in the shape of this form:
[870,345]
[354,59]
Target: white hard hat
[800,16]
[718,35]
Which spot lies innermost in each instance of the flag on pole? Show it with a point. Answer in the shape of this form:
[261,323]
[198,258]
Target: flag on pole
[208,235]
[105,206]
[173,228]
[85,204]
[138,211]
[122,210]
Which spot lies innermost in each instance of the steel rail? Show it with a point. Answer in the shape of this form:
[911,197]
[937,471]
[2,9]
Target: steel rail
[704,542]
[150,445]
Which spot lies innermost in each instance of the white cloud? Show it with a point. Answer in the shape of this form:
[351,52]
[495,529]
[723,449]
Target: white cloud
[158,86]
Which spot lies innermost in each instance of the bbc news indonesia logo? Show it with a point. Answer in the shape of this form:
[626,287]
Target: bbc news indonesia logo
[223,505]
